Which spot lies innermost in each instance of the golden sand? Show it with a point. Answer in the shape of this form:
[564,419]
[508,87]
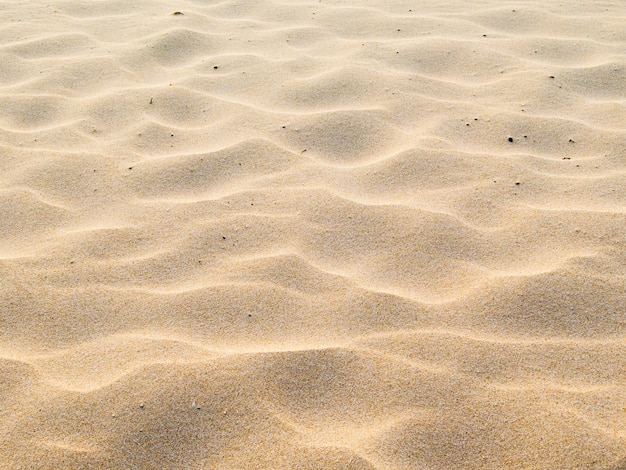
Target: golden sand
[263,234]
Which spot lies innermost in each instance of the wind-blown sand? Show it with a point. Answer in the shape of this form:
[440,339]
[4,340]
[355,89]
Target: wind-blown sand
[312,234]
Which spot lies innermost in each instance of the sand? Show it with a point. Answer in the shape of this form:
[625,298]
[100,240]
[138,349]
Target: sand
[312,234]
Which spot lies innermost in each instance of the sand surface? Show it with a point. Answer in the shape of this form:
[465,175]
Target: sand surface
[270,234]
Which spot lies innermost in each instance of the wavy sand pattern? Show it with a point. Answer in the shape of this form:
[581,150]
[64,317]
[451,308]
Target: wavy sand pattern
[312,234]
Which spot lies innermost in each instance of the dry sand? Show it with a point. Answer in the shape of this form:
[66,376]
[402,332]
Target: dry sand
[312,234]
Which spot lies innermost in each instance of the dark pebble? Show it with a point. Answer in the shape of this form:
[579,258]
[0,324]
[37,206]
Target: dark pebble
[510,139]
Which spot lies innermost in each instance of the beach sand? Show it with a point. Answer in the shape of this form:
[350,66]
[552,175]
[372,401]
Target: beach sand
[312,234]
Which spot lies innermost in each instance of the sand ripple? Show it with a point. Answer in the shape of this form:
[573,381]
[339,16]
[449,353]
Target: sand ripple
[312,235]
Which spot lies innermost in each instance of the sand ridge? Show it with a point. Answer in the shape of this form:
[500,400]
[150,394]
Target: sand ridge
[311,234]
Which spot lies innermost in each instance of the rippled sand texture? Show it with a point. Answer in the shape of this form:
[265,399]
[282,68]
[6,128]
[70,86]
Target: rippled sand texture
[312,234]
